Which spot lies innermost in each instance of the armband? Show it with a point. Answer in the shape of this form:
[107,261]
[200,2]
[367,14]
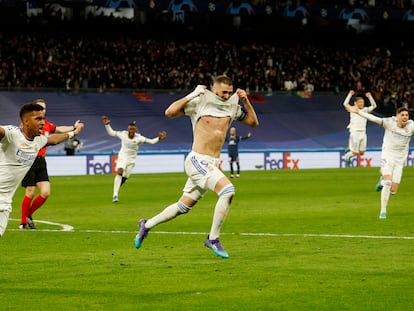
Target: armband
[242,115]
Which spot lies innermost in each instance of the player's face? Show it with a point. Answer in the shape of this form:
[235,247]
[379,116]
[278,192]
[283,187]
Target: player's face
[360,103]
[402,118]
[131,131]
[33,123]
[223,91]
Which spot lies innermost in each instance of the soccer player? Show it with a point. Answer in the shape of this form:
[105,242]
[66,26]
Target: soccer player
[38,176]
[18,151]
[130,142]
[395,146]
[357,143]
[211,113]
[233,150]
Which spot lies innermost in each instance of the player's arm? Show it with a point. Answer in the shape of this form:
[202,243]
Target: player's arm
[155,140]
[246,137]
[57,138]
[348,98]
[106,121]
[176,109]
[372,102]
[366,115]
[250,117]
[67,128]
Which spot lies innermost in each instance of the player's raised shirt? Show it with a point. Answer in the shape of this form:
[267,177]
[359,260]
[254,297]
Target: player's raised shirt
[209,104]
[17,154]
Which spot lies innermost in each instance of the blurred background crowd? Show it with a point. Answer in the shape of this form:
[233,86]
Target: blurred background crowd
[106,53]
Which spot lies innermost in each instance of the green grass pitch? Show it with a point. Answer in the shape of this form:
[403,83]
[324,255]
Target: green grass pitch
[297,240]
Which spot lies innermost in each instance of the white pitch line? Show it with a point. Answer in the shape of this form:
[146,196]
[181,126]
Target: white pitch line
[63,226]
[69,228]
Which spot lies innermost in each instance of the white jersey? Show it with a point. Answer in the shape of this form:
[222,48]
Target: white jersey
[17,154]
[356,122]
[209,104]
[129,146]
[396,142]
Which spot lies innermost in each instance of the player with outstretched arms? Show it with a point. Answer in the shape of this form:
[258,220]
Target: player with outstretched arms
[18,150]
[357,126]
[396,142]
[130,142]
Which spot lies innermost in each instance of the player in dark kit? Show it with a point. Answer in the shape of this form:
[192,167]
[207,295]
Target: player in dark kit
[233,150]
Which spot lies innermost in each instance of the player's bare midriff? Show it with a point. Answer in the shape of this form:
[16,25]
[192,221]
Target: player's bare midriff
[209,135]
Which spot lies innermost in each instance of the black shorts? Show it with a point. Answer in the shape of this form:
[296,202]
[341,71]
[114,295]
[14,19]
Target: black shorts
[38,172]
[233,156]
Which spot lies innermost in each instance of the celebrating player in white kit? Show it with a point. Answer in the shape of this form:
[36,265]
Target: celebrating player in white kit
[211,114]
[357,126]
[395,146]
[18,150]
[130,142]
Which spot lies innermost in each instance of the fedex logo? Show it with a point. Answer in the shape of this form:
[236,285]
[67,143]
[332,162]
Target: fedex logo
[96,165]
[356,161]
[278,161]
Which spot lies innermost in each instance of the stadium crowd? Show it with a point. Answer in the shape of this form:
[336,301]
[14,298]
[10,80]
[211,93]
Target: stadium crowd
[119,60]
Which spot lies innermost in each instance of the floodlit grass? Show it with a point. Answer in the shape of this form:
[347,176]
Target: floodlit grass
[298,240]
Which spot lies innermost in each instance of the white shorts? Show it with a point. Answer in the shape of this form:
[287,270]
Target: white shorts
[203,174]
[357,142]
[5,211]
[393,168]
[127,166]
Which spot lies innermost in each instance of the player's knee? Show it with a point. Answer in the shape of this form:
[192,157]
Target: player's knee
[184,209]
[227,192]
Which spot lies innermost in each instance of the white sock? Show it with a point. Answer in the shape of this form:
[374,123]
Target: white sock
[348,155]
[221,210]
[167,214]
[117,184]
[385,195]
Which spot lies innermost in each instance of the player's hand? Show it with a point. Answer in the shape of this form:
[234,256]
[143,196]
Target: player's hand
[200,89]
[162,135]
[242,94]
[79,128]
[368,94]
[249,134]
[105,120]
[75,125]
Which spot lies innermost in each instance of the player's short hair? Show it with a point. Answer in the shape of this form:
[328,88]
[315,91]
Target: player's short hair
[223,79]
[29,107]
[133,123]
[401,109]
